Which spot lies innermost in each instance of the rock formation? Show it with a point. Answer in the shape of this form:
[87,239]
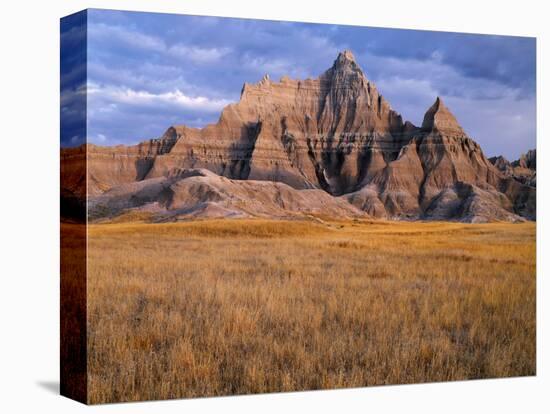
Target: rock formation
[523,169]
[336,136]
[192,193]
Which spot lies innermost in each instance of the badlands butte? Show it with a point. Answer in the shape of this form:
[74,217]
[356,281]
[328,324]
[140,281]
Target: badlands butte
[329,147]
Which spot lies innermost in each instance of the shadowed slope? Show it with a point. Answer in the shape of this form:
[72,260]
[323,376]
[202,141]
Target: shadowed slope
[338,134]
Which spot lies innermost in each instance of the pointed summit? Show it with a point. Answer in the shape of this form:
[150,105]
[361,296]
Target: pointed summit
[345,60]
[345,56]
[440,118]
[346,65]
[334,133]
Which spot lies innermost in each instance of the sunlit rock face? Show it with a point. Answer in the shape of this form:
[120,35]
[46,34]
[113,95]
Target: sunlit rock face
[338,134]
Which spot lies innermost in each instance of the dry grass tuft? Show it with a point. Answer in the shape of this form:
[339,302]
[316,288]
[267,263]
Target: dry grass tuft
[221,307]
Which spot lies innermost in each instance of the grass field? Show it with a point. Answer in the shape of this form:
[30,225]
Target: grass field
[221,307]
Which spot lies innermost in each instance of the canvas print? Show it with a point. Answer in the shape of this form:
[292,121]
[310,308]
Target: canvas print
[253,206]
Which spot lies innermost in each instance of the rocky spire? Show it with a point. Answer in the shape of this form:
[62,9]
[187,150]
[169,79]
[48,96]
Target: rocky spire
[438,117]
[337,133]
[345,56]
[528,160]
[345,62]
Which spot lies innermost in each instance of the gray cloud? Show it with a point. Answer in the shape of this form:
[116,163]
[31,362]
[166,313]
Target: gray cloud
[148,71]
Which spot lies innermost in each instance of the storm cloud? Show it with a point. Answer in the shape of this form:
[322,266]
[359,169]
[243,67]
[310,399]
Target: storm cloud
[147,71]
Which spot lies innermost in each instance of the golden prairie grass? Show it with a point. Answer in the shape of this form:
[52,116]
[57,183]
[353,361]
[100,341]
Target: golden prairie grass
[73,311]
[221,307]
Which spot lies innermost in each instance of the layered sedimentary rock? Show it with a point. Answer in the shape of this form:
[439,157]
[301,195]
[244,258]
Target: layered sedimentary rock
[523,169]
[193,193]
[336,134]
[73,184]
[315,133]
[528,160]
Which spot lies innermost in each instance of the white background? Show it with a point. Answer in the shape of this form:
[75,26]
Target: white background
[29,185]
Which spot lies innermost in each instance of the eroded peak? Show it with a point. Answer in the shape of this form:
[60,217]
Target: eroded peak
[440,117]
[345,56]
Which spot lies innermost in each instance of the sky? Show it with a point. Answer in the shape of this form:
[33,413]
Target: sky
[147,71]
